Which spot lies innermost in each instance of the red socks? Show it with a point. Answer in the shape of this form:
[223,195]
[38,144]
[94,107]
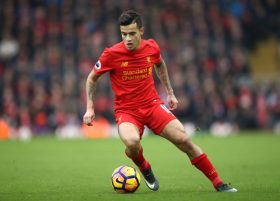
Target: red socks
[140,161]
[201,162]
[204,165]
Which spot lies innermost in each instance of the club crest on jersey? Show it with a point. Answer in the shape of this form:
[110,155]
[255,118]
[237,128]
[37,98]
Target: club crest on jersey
[97,65]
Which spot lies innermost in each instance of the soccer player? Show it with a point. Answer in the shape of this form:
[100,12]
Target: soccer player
[137,103]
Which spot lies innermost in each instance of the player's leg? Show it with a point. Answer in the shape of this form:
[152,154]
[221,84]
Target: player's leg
[175,133]
[131,137]
[165,124]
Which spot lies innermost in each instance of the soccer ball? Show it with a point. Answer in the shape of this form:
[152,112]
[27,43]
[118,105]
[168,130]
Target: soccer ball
[125,179]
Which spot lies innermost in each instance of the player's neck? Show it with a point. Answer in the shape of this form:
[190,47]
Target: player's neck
[139,46]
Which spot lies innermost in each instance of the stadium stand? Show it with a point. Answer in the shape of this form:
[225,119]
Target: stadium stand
[47,48]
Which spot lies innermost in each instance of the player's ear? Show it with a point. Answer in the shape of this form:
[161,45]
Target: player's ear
[142,31]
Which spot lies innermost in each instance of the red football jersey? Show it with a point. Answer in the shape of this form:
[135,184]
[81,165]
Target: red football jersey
[131,73]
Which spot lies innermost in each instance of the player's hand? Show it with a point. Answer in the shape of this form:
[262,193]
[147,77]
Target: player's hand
[172,102]
[88,117]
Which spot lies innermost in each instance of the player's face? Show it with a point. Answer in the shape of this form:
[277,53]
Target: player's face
[131,36]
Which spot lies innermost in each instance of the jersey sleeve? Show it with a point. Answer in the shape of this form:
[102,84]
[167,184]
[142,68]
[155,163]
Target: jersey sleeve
[103,64]
[157,57]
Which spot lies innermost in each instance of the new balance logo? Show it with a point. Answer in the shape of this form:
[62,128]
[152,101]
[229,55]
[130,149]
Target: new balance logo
[124,64]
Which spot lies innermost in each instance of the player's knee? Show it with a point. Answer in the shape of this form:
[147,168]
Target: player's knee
[185,143]
[132,143]
[132,148]
[184,140]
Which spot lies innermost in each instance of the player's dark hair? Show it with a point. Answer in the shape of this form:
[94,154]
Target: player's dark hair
[129,17]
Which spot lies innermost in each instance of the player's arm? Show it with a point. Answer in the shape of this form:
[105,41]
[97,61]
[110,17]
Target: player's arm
[90,93]
[162,73]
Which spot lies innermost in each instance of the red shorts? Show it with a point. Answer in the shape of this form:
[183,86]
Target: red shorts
[154,117]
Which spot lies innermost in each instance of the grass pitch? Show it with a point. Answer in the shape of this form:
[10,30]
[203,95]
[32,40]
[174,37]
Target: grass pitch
[48,169]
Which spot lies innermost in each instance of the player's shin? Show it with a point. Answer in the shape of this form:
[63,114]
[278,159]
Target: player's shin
[204,165]
[139,160]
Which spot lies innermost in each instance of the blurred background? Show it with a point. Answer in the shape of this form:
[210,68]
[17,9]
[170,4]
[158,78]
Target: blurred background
[222,57]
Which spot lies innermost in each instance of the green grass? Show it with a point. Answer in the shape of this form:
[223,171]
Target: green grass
[57,170]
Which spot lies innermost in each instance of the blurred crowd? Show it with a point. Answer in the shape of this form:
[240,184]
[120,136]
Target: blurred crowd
[48,47]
